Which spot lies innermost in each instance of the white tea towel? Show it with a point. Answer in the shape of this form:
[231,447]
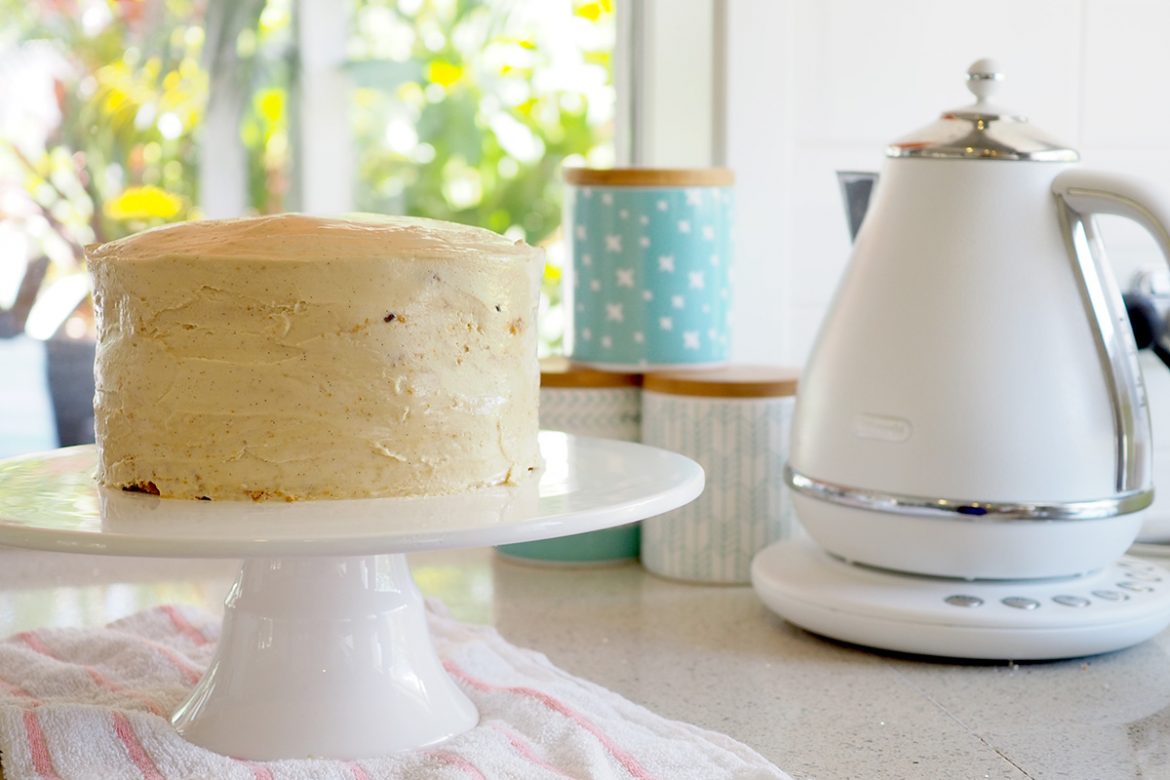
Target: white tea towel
[92,704]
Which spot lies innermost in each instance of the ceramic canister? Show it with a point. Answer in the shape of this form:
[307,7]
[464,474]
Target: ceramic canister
[1156,519]
[735,423]
[582,401]
[649,281]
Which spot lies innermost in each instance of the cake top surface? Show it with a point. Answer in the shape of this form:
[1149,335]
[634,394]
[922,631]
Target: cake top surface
[303,237]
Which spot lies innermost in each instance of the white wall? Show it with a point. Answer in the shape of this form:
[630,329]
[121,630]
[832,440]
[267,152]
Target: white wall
[814,86]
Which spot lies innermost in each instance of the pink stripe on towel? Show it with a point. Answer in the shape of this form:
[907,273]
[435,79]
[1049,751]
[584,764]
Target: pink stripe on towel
[628,762]
[524,749]
[183,626]
[15,690]
[451,759]
[38,748]
[356,770]
[34,643]
[259,772]
[134,748]
[191,673]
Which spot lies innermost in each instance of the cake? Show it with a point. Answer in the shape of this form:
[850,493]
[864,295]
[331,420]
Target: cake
[294,357]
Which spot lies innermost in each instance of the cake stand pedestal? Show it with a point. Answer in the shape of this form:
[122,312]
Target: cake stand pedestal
[325,650]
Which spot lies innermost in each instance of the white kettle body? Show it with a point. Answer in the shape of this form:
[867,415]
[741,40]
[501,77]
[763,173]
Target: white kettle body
[973,406]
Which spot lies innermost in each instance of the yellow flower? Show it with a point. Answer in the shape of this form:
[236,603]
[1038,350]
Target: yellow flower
[444,73]
[590,11]
[144,203]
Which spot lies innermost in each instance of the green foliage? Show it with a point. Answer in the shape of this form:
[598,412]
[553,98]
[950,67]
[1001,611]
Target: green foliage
[453,96]
[459,114]
[123,156]
[463,110]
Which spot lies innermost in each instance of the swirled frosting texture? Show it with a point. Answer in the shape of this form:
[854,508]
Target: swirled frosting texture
[301,358]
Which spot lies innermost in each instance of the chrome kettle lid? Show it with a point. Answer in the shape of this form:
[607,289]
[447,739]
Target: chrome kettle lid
[982,130]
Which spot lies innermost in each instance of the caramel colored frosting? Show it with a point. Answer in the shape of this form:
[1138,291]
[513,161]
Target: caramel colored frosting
[297,357]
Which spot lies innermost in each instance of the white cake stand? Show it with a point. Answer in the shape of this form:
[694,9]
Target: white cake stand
[325,650]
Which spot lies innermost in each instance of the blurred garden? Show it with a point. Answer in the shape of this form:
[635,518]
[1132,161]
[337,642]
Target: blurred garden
[120,115]
[459,109]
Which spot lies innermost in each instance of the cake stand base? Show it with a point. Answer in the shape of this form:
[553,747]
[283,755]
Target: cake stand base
[325,650]
[324,657]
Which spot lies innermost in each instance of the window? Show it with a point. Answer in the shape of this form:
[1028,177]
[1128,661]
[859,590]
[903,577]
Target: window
[118,115]
[467,111]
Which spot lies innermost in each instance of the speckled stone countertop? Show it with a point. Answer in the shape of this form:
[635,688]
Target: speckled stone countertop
[714,656]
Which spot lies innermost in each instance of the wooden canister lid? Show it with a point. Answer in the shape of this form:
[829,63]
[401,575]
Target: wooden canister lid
[650,177]
[734,381]
[561,372]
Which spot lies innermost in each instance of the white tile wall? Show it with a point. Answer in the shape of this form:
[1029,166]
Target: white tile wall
[871,71]
[760,153]
[1126,66]
[827,83]
[820,240]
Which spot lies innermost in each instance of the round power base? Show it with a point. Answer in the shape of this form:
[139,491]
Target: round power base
[1119,606]
[1144,549]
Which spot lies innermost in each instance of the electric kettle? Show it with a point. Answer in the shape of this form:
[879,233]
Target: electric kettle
[973,406]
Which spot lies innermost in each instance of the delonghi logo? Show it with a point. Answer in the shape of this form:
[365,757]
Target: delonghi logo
[882,427]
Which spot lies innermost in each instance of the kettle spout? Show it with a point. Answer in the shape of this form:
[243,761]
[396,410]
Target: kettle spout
[856,188]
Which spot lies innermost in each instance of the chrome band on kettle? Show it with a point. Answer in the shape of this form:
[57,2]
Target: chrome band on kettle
[963,509]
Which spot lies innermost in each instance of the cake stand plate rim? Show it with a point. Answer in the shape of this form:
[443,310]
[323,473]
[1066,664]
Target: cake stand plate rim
[587,484]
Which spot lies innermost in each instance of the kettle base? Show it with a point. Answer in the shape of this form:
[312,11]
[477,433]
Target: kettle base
[1118,606]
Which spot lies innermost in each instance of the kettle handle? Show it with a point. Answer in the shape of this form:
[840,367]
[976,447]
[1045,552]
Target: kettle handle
[1081,194]
[1090,192]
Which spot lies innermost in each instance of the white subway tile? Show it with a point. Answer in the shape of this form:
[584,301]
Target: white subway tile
[759,137]
[874,71]
[1126,65]
[820,234]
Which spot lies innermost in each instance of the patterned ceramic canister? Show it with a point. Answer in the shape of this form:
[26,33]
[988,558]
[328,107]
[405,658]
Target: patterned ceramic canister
[649,282]
[580,400]
[735,423]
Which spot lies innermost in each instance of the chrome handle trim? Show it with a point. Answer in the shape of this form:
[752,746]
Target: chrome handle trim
[1115,348]
[966,510]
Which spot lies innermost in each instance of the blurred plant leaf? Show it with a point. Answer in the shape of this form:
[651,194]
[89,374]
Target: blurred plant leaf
[382,74]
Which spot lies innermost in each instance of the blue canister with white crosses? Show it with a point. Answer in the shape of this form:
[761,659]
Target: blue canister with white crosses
[650,257]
